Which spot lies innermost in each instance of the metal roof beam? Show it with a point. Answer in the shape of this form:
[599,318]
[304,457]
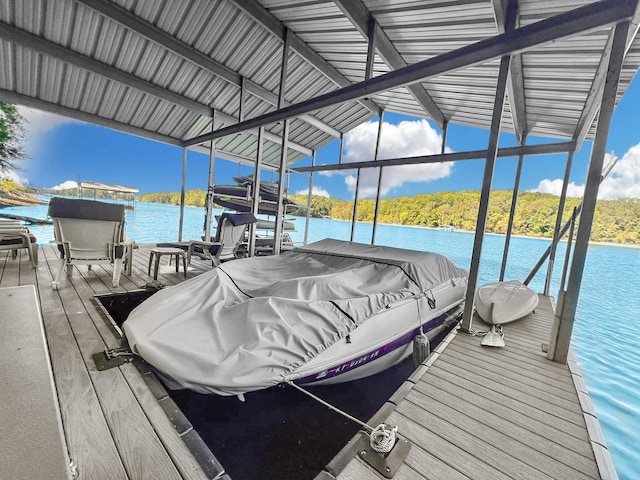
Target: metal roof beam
[576,21]
[19,99]
[272,137]
[593,102]
[162,38]
[273,25]
[31,102]
[506,15]
[541,149]
[41,45]
[54,50]
[359,16]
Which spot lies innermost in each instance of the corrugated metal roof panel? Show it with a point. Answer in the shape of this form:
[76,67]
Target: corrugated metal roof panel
[557,77]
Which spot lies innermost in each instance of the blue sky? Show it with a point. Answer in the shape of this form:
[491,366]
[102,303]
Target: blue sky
[61,150]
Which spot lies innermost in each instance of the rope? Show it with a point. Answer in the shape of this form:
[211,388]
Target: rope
[420,326]
[381,439]
[331,407]
[474,333]
[431,300]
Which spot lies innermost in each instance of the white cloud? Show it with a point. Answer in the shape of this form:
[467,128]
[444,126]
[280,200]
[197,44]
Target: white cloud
[406,139]
[622,182]
[554,187]
[38,122]
[36,125]
[321,192]
[624,179]
[66,184]
[12,175]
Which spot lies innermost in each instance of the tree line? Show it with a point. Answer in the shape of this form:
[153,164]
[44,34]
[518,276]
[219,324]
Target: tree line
[615,221]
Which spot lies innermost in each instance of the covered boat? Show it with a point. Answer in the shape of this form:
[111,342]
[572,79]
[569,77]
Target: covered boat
[332,311]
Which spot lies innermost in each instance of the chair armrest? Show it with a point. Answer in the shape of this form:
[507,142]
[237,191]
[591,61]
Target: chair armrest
[202,243]
[16,232]
[205,246]
[6,223]
[13,228]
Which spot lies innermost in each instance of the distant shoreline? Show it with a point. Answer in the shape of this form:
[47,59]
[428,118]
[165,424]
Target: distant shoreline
[17,198]
[591,242]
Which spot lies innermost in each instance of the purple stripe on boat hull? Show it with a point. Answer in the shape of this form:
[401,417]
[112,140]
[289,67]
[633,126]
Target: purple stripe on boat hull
[375,354]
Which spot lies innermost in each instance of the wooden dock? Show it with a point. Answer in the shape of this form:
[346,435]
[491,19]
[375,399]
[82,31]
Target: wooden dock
[115,421]
[468,411]
[490,413]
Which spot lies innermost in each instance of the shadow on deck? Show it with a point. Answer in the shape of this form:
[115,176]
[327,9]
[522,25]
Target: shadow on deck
[114,424]
[472,411]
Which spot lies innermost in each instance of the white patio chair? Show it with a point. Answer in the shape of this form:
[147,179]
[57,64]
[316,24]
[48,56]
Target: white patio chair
[230,233]
[88,233]
[14,236]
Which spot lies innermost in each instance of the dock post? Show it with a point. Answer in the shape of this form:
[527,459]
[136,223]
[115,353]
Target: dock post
[563,325]
[487,180]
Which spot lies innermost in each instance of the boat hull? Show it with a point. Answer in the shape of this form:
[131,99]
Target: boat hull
[330,312]
[263,224]
[503,302]
[385,340]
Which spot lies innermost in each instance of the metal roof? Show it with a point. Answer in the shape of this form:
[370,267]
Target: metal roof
[109,187]
[160,69]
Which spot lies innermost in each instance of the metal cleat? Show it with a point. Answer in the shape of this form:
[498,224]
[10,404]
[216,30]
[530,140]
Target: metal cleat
[113,357]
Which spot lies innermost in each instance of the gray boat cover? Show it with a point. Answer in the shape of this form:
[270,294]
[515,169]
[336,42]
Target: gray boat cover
[248,323]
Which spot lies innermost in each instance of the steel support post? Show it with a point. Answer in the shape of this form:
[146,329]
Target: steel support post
[209,199]
[277,231]
[558,226]
[182,192]
[563,326]
[371,48]
[368,73]
[375,158]
[241,106]
[255,201]
[487,180]
[445,128]
[512,211]
[309,199]
[355,207]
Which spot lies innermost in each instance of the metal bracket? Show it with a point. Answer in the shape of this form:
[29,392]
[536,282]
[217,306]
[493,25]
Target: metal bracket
[386,464]
[113,357]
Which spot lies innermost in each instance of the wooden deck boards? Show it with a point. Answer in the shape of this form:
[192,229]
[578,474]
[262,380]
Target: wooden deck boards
[490,413]
[114,425]
[469,411]
[36,419]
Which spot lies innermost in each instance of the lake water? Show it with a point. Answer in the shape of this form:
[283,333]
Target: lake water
[608,310]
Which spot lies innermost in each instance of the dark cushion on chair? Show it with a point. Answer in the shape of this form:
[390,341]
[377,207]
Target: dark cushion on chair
[15,240]
[85,209]
[236,219]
